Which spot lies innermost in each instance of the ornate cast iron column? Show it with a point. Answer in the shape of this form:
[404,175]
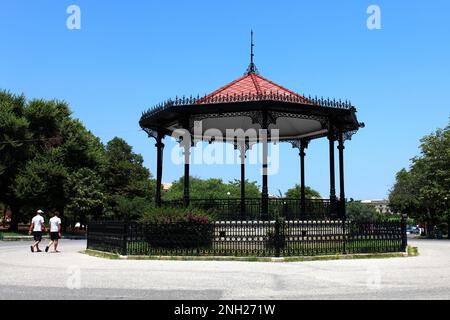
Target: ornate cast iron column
[186,197]
[341,148]
[159,165]
[187,144]
[158,136]
[303,146]
[242,151]
[265,190]
[332,175]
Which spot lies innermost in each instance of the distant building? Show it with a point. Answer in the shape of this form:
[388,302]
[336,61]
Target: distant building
[381,205]
[166,186]
[5,218]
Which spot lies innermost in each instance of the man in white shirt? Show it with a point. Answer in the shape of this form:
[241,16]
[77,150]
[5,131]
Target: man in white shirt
[37,226]
[55,232]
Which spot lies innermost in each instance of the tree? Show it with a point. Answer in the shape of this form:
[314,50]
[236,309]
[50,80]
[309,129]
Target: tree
[364,212]
[80,148]
[251,189]
[49,160]
[404,196]
[85,192]
[423,191]
[294,193]
[45,122]
[212,188]
[130,208]
[432,168]
[14,149]
[125,178]
[40,184]
[60,146]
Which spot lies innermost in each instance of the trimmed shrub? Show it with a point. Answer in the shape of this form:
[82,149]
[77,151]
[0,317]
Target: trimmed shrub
[171,215]
[178,228]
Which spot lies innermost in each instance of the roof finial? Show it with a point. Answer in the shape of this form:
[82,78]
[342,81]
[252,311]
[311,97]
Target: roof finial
[251,48]
[252,67]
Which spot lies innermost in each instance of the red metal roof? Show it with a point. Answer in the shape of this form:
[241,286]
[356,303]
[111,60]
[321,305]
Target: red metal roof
[251,84]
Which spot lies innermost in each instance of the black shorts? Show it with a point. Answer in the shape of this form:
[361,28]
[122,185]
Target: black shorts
[37,235]
[54,236]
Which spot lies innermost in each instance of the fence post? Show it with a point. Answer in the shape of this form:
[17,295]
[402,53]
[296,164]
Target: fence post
[124,238]
[277,237]
[403,230]
[87,235]
[344,236]
[198,241]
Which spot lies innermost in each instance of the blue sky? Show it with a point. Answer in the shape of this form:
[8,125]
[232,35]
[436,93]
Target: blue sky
[130,55]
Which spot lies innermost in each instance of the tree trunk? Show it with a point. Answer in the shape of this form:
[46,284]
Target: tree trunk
[430,229]
[82,221]
[63,220]
[14,224]
[448,225]
[4,217]
[430,225]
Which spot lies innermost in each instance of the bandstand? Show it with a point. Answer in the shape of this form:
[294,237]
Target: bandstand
[255,110]
[248,103]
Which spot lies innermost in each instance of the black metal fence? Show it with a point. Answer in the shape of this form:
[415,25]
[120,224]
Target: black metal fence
[247,238]
[291,209]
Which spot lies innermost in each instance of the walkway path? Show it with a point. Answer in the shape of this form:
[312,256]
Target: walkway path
[72,275]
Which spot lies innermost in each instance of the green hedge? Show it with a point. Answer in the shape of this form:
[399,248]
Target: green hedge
[178,228]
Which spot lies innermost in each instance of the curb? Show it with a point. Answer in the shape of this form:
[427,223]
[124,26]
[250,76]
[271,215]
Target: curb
[268,259]
[108,255]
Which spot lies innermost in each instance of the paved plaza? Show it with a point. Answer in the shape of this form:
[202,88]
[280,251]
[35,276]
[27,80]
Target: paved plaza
[73,275]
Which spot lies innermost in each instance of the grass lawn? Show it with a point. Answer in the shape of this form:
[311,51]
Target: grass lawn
[12,234]
[25,233]
[411,251]
[237,248]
